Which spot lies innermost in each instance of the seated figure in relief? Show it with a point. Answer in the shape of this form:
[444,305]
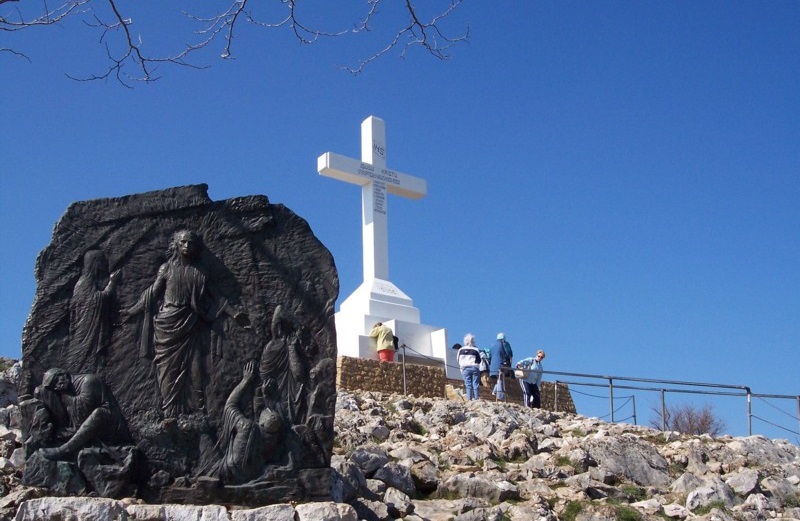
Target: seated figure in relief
[76,411]
[249,444]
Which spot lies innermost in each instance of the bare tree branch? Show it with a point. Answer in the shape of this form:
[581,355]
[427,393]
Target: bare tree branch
[221,23]
[428,35]
[131,60]
[48,16]
[12,51]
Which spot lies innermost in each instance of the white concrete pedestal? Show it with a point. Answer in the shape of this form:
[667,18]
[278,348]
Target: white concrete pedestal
[381,301]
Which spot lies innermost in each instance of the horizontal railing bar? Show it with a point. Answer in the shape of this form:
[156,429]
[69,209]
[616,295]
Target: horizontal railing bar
[651,380]
[654,389]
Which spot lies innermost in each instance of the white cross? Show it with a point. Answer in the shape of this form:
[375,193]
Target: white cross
[375,180]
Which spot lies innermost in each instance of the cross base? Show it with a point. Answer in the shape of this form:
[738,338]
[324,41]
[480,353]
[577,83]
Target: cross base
[379,300]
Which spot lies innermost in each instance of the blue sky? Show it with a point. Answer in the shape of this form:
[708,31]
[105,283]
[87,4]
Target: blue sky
[615,183]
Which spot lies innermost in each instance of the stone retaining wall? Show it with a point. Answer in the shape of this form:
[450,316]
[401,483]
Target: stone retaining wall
[424,381]
[371,375]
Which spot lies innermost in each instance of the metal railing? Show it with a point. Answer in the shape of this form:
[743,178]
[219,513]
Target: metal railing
[697,388]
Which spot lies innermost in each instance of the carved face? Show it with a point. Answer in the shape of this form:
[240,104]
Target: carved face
[61,382]
[269,422]
[95,263]
[187,244]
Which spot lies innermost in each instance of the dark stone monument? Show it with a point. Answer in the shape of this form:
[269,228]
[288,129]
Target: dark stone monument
[181,350]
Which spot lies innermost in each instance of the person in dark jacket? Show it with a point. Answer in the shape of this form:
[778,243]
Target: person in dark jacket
[501,355]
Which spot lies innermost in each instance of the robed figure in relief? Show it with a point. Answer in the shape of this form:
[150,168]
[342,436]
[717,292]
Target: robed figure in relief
[180,329]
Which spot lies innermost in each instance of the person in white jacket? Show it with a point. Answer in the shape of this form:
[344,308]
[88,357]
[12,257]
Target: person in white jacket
[469,359]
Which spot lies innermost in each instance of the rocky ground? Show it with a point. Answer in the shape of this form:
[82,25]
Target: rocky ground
[420,459]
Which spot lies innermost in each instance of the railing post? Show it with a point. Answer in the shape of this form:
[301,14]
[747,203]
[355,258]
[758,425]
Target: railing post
[611,396]
[405,390]
[749,413]
[555,397]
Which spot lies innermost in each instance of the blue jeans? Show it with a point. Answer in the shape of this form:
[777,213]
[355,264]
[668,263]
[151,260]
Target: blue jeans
[499,389]
[472,381]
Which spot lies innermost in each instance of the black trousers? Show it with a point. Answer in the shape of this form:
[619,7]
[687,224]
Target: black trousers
[530,394]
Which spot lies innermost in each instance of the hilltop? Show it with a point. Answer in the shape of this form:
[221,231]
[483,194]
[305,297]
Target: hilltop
[398,457]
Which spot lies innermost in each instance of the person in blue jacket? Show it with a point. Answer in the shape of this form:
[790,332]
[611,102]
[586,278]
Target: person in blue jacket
[500,355]
[530,385]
